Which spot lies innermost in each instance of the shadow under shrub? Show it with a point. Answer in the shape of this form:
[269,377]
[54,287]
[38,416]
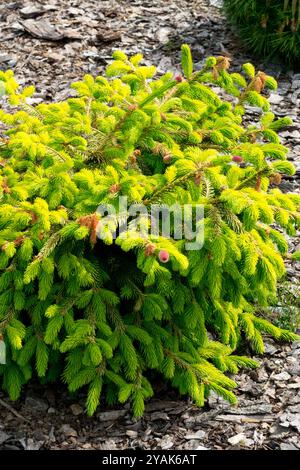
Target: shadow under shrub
[268,28]
[102,313]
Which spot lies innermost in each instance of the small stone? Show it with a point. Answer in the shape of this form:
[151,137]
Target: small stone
[38,435]
[287,446]
[157,416]
[294,385]
[162,35]
[109,444]
[197,435]
[87,445]
[202,448]
[294,408]
[295,422]
[33,445]
[166,442]
[274,98]
[55,57]
[76,409]
[237,439]
[131,433]
[31,11]
[3,437]
[111,415]
[5,57]
[270,349]
[51,436]
[247,442]
[68,431]
[36,403]
[51,411]
[282,376]
[262,375]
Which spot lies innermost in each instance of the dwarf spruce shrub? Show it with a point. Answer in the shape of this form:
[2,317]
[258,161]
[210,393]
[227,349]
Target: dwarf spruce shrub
[268,27]
[110,313]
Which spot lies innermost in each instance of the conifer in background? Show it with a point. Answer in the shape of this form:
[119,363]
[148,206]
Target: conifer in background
[109,314]
[269,28]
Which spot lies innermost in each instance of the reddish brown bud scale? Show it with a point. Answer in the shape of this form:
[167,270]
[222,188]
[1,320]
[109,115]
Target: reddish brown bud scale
[223,63]
[114,188]
[5,187]
[91,222]
[132,107]
[197,179]
[150,249]
[258,184]
[167,158]
[34,217]
[276,179]
[18,241]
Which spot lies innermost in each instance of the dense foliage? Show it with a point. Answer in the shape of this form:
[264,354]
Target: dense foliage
[269,28]
[110,314]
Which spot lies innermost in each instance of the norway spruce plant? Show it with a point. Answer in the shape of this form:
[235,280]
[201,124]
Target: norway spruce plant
[269,28]
[111,313]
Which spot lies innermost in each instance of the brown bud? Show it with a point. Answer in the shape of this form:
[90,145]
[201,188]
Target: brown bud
[85,221]
[132,159]
[132,107]
[276,179]
[18,241]
[149,249]
[258,82]
[223,63]
[5,187]
[34,217]
[167,158]
[197,179]
[258,184]
[91,222]
[4,140]
[215,73]
[158,148]
[114,188]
